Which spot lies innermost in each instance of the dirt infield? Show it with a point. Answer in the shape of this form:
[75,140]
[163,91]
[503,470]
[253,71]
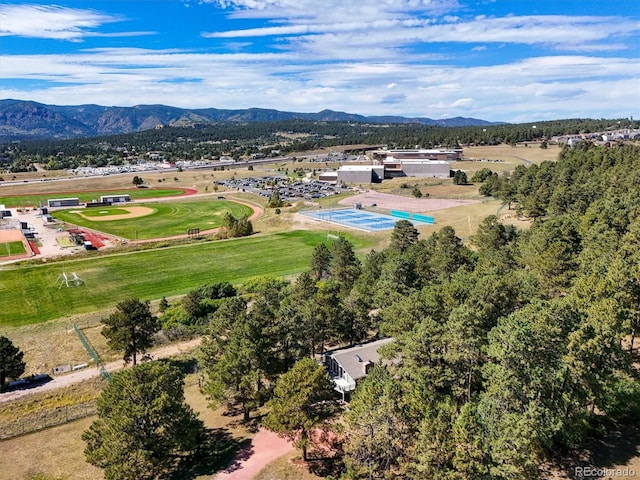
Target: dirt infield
[7,236]
[134,212]
[398,202]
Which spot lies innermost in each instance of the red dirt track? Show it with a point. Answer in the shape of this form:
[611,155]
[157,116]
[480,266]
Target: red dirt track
[34,248]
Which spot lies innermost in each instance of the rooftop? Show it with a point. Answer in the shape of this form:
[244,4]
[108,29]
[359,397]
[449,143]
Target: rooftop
[351,359]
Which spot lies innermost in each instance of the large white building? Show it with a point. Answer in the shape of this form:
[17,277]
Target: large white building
[397,163]
[394,167]
[418,154]
[360,174]
[417,162]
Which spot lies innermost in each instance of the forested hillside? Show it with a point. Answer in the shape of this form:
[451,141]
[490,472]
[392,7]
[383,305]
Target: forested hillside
[188,143]
[507,355]
[514,353]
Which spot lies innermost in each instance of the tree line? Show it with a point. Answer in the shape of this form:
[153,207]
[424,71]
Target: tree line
[182,143]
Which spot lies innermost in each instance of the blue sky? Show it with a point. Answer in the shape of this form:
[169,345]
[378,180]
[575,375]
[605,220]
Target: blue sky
[499,60]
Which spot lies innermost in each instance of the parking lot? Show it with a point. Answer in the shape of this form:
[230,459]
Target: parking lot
[288,189]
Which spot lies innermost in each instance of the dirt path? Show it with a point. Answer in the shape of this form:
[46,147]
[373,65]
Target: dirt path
[91,372]
[265,447]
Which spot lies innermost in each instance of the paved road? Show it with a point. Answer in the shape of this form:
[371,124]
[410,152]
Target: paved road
[90,372]
[526,162]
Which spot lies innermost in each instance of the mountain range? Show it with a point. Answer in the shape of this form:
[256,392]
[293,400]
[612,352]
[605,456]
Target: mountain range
[27,120]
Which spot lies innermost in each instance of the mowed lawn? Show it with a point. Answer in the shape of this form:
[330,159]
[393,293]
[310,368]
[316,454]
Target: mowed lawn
[168,218]
[8,249]
[30,295]
[88,196]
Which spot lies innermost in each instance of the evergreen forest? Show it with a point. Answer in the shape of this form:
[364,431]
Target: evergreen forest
[508,354]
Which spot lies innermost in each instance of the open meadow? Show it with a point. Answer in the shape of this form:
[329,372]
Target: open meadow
[160,220]
[58,452]
[505,157]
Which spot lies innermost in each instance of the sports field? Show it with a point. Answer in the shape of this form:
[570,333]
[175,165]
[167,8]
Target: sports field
[358,219]
[9,249]
[162,219]
[89,196]
[30,295]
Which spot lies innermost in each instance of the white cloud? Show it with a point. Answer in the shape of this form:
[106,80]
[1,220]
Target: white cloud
[54,22]
[462,102]
[354,26]
[524,90]
[333,8]
[371,57]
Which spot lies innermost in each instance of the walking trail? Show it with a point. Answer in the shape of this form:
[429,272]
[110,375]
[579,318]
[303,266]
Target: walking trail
[265,447]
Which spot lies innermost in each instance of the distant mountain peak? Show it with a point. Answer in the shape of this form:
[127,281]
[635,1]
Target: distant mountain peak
[25,119]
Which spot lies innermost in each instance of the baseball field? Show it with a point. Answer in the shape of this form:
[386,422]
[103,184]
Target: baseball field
[154,220]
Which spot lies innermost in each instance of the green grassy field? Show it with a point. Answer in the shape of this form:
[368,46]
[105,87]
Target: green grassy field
[30,295]
[8,249]
[88,196]
[168,218]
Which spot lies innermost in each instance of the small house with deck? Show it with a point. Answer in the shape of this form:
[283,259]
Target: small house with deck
[348,365]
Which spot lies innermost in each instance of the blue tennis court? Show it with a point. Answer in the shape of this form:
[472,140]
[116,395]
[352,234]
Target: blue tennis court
[358,219]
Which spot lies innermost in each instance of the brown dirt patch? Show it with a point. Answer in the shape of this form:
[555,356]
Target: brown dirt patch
[398,202]
[7,236]
[134,212]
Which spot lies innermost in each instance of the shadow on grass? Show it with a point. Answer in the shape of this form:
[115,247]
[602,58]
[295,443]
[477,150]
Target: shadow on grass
[326,467]
[326,458]
[617,447]
[218,451]
[185,365]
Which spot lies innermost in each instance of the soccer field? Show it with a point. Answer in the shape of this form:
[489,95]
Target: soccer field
[166,219]
[30,295]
